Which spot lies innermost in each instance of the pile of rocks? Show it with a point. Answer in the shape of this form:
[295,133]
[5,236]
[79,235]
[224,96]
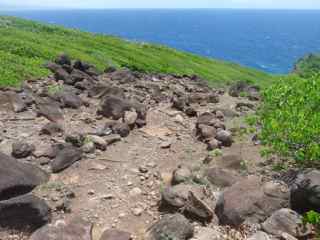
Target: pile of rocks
[78,113]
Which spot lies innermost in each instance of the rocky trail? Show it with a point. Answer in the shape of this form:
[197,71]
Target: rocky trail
[125,155]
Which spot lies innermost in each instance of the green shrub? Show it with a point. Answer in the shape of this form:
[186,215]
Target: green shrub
[313,218]
[290,119]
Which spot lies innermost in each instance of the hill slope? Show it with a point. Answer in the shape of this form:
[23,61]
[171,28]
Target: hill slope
[308,65]
[26,45]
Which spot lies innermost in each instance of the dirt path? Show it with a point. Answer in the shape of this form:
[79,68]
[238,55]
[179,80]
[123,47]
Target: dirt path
[120,187]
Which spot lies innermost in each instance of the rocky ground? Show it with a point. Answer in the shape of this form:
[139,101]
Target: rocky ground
[126,155]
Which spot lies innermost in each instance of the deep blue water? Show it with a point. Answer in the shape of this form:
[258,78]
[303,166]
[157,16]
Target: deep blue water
[271,40]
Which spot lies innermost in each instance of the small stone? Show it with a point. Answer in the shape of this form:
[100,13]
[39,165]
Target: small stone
[224,137]
[99,142]
[213,144]
[181,175]
[179,119]
[143,169]
[135,192]
[166,144]
[89,147]
[219,114]
[137,211]
[22,149]
[91,192]
[107,197]
[130,117]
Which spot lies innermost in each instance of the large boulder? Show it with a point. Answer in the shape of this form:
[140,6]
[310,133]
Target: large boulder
[69,229]
[252,201]
[206,118]
[18,178]
[286,221]
[11,101]
[66,156]
[69,99]
[24,212]
[222,177]
[50,109]
[305,191]
[115,108]
[244,88]
[171,227]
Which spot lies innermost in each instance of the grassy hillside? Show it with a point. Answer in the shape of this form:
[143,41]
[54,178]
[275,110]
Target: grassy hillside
[26,45]
[308,65]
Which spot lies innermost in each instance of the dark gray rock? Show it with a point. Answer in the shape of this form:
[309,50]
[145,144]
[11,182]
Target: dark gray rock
[22,149]
[225,137]
[70,100]
[305,191]
[122,129]
[250,200]
[63,59]
[206,132]
[67,156]
[222,177]
[62,74]
[50,109]
[207,119]
[69,229]
[18,178]
[181,174]
[24,212]
[286,221]
[76,139]
[172,227]
[51,129]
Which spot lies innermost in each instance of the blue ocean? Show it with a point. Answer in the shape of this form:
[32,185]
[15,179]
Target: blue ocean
[270,40]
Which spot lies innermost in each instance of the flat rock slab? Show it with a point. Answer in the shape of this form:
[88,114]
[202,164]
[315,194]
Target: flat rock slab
[18,178]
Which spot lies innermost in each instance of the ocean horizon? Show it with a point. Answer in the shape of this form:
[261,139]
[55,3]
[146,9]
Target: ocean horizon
[266,39]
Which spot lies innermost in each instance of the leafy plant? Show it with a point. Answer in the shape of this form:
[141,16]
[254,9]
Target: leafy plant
[313,218]
[53,89]
[290,119]
[216,153]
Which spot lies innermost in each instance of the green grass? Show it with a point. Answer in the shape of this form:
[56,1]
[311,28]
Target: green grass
[308,66]
[26,45]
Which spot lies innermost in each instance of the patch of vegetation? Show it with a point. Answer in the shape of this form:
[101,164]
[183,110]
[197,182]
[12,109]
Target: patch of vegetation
[26,45]
[216,152]
[53,89]
[290,119]
[308,66]
[313,218]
